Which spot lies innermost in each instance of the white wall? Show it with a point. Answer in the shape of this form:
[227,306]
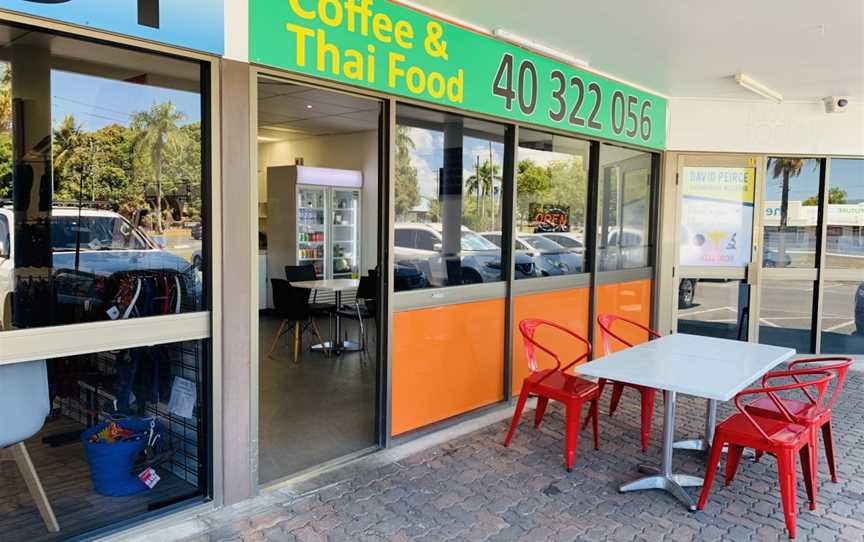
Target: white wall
[357,151]
[764,127]
[236,30]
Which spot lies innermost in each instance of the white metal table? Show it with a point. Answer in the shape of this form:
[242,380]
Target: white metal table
[335,344]
[716,369]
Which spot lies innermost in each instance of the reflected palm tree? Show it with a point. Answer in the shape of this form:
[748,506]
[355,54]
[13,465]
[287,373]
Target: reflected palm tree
[785,169]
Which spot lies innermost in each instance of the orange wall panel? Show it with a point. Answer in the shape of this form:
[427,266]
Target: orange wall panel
[446,361]
[566,307]
[628,299]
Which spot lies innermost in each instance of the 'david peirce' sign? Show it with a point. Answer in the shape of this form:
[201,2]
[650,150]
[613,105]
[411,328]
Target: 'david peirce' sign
[390,48]
[193,24]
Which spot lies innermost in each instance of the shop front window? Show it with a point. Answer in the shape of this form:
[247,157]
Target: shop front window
[551,198]
[101,209]
[791,212]
[448,199]
[102,213]
[624,209]
[845,229]
[101,429]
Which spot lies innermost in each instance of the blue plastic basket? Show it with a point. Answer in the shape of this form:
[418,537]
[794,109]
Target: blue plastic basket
[110,463]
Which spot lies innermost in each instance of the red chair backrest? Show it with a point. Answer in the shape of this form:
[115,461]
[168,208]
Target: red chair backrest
[819,383]
[606,321]
[528,328]
[838,365]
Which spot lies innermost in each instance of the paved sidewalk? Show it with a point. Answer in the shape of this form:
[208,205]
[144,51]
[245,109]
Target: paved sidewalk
[472,488]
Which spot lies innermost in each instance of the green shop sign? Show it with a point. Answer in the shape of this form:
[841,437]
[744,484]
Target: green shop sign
[393,49]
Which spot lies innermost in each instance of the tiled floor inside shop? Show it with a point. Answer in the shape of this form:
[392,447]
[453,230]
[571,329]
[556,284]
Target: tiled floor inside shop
[472,488]
[318,409]
[65,477]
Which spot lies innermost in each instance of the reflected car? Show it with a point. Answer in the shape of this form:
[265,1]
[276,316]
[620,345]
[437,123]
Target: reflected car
[408,277]
[859,309]
[421,246]
[570,241]
[686,293]
[550,258]
[103,268]
[771,258]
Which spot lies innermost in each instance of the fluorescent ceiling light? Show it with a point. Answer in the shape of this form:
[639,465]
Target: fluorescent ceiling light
[281,129]
[755,86]
[268,139]
[538,47]
[329,177]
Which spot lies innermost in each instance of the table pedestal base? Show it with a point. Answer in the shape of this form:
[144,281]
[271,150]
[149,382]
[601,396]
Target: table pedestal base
[663,478]
[704,444]
[671,483]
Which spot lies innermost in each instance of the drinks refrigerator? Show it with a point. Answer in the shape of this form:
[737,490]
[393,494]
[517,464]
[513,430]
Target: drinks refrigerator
[328,230]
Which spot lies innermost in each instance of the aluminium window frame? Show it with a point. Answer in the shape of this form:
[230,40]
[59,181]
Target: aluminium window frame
[21,345]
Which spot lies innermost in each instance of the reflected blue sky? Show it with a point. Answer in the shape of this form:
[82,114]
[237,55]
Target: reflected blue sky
[96,102]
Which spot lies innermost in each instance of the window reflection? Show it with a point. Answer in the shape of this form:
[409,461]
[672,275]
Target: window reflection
[845,233]
[100,184]
[786,314]
[551,187]
[448,200]
[714,308]
[791,213]
[624,209]
[843,317]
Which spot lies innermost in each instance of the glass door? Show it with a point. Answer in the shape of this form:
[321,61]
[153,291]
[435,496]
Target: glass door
[311,231]
[345,218]
[715,245]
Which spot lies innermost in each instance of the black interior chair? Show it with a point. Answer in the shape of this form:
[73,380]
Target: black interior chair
[365,305]
[298,273]
[292,305]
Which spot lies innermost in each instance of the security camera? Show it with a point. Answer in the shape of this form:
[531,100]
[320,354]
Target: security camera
[835,104]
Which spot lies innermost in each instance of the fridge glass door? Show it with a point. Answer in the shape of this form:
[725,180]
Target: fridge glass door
[346,233]
[311,228]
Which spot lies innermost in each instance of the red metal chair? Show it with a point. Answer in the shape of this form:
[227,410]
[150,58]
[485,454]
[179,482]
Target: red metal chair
[806,411]
[557,385]
[782,438]
[606,321]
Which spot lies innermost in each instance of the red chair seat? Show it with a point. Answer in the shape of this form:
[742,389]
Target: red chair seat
[739,429]
[562,385]
[766,408]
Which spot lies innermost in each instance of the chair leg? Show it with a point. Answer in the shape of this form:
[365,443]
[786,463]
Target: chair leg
[542,403]
[34,485]
[617,390]
[276,338]
[828,439]
[809,473]
[648,397]
[711,471]
[297,342]
[571,434]
[786,471]
[733,459]
[318,336]
[601,383]
[595,415]
[520,406]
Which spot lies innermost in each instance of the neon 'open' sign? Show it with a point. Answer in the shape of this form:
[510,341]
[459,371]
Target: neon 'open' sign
[148,10]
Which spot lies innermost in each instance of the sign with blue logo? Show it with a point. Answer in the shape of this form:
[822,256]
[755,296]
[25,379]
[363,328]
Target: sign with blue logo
[193,24]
